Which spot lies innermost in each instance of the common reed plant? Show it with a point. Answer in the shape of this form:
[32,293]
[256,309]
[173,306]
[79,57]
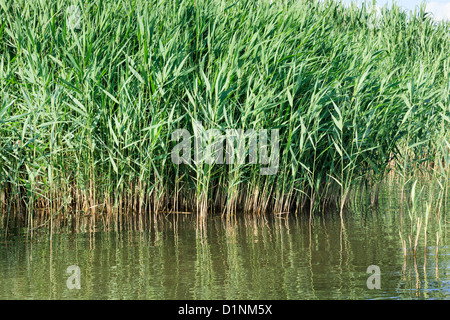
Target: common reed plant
[87,111]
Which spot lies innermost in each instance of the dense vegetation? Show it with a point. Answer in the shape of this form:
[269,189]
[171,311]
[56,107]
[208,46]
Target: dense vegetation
[88,107]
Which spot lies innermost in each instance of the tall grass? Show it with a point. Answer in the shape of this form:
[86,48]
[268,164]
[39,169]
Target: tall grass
[87,114]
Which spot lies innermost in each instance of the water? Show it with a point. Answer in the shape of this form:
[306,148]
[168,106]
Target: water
[266,258]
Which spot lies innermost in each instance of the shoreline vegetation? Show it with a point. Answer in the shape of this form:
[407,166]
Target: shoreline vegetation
[87,109]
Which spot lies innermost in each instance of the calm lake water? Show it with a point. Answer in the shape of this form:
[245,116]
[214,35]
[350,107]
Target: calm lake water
[265,258]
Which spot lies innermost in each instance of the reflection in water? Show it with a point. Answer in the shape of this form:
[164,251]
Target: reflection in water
[264,257]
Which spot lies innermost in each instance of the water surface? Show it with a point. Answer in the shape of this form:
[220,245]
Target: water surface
[265,258]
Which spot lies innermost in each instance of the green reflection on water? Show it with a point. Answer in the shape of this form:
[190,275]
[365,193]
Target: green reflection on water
[263,258]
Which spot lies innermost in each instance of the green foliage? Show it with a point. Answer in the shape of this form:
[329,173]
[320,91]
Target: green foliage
[86,115]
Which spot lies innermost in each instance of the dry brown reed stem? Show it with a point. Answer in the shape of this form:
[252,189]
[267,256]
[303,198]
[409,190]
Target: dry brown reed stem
[404,247]
[437,243]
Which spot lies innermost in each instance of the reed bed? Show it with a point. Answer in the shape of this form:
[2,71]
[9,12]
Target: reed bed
[88,106]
